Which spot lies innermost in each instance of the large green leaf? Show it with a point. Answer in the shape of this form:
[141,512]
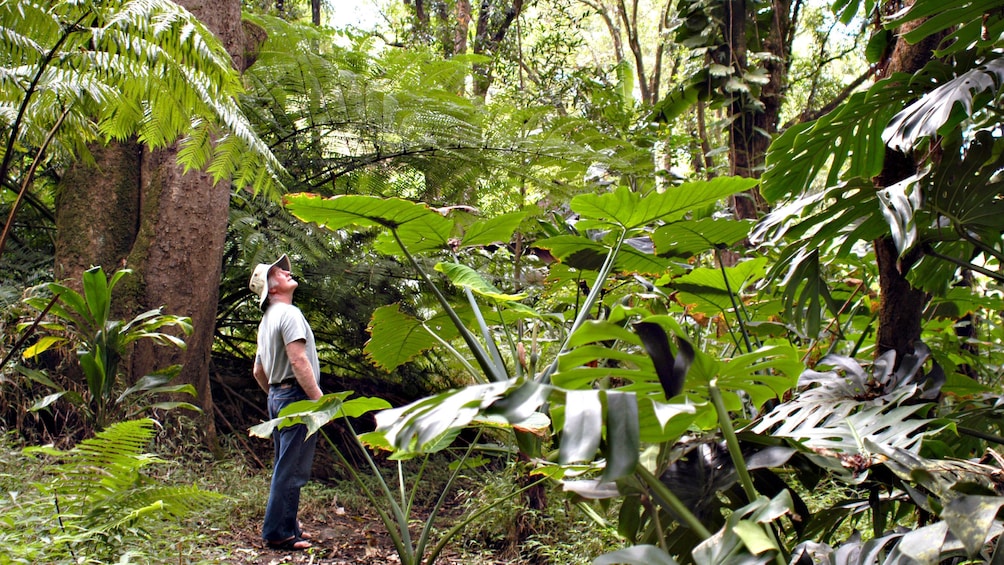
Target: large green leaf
[744,540]
[945,106]
[623,442]
[419,227]
[669,367]
[397,338]
[970,518]
[492,230]
[966,188]
[965,21]
[691,237]
[315,413]
[851,408]
[713,291]
[844,144]
[636,555]
[466,277]
[629,210]
[417,426]
[587,254]
[582,427]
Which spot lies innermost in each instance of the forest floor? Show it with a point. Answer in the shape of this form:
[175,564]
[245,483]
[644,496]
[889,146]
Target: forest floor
[337,540]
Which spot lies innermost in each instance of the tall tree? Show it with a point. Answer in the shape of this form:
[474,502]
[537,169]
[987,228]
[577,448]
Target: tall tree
[166,223]
[625,24]
[902,306]
[909,165]
[727,34]
[446,24]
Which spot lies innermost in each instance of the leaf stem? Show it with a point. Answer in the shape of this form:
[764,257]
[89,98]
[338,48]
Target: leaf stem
[735,307]
[671,502]
[476,349]
[591,299]
[731,440]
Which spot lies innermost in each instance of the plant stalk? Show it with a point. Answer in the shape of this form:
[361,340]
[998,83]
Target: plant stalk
[476,349]
[591,299]
[731,440]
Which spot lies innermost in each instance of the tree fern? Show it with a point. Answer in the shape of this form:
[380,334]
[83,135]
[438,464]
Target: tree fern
[147,69]
[398,124]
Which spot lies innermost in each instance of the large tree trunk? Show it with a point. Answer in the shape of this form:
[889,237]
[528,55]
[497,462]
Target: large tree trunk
[97,213]
[142,211]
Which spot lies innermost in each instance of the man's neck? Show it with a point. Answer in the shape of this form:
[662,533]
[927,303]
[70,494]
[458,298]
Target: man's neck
[281,298]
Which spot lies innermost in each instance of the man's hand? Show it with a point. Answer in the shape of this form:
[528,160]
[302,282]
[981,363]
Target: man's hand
[260,377]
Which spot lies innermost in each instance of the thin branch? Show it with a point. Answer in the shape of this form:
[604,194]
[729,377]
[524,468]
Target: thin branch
[28,333]
[26,182]
[808,116]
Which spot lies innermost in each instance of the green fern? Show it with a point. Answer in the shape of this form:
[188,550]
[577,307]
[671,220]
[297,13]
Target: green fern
[101,494]
[72,73]
[346,121]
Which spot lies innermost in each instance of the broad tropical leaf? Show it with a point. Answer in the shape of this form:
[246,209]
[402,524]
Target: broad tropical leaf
[715,291]
[844,144]
[946,106]
[419,227]
[630,210]
[315,413]
[466,277]
[965,21]
[397,338]
[636,555]
[493,230]
[691,237]
[586,254]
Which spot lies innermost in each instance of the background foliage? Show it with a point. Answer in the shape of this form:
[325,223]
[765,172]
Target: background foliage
[534,218]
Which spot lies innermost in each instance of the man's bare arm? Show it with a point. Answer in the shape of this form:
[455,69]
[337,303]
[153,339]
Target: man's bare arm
[297,352]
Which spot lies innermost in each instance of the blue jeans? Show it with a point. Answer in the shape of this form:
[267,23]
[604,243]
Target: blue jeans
[294,456]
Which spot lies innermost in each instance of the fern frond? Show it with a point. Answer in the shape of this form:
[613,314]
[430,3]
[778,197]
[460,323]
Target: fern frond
[101,488]
[143,68]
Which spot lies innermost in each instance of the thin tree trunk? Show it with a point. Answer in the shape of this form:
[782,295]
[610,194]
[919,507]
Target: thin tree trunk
[463,26]
[752,129]
[902,305]
[494,21]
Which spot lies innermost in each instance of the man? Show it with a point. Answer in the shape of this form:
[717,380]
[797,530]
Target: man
[287,369]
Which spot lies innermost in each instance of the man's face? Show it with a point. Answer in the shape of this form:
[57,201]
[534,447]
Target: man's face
[282,281]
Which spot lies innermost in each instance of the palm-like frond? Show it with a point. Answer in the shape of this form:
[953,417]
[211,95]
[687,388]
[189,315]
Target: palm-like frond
[101,487]
[146,68]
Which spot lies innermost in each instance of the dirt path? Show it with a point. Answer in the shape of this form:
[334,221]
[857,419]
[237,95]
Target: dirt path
[339,540]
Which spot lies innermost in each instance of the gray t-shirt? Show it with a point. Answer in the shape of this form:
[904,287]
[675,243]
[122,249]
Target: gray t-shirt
[282,324]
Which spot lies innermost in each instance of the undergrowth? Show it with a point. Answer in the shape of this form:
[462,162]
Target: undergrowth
[226,529]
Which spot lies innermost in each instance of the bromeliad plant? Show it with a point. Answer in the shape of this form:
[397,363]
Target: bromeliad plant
[84,321]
